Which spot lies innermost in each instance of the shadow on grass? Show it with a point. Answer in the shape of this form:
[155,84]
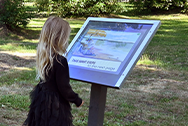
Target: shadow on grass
[20,34]
[130,10]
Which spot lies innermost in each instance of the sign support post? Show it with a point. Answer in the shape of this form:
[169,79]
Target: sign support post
[97,105]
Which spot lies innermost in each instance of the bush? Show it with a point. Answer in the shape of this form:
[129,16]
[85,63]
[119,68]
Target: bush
[89,7]
[68,8]
[13,13]
[151,5]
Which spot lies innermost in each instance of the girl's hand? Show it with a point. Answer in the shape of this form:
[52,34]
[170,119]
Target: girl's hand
[81,104]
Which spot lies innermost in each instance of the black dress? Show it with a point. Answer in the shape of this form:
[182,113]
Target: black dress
[50,100]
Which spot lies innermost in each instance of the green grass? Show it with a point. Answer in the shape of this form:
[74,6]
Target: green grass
[15,101]
[168,48]
[21,77]
[154,94]
[3,124]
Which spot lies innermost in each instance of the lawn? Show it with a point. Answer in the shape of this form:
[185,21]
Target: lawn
[155,93]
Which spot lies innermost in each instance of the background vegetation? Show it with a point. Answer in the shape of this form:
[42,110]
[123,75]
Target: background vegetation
[81,8]
[160,5]
[156,92]
[13,12]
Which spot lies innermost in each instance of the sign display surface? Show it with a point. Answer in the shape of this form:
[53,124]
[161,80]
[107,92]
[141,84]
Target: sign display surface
[105,50]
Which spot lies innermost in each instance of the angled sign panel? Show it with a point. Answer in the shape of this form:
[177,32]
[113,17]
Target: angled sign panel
[105,50]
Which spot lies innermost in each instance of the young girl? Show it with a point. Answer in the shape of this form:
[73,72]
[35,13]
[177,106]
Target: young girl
[50,98]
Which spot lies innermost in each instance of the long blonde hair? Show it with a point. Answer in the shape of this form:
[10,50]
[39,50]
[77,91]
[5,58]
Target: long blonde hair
[53,40]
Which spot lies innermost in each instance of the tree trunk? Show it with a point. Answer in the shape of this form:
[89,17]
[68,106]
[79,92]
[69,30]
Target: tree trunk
[3,28]
[2,5]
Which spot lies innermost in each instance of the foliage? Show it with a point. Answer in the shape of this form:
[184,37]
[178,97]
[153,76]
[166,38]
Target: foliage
[151,5]
[185,10]
[13,13]
[29,0]
[69,8]
[42,4]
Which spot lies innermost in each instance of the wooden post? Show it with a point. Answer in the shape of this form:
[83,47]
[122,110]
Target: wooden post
[97,105]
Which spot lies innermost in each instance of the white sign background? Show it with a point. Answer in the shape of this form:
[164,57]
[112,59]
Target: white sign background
[95,63]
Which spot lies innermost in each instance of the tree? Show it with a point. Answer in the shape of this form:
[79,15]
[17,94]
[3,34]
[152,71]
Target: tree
[1,4]
[3,28]
[13,13]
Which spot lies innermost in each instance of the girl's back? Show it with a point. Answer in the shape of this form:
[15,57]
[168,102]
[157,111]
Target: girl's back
[51,96]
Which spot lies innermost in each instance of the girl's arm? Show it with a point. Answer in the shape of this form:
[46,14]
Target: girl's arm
[62,79]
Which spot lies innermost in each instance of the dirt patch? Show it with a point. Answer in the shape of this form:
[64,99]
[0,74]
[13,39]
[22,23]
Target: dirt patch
[15,60]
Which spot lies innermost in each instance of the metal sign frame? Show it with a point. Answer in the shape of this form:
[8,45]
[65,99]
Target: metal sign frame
[92,75]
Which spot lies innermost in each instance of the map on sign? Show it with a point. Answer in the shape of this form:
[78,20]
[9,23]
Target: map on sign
[105,50]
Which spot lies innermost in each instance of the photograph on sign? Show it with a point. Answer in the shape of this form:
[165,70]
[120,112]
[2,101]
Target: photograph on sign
[101,50]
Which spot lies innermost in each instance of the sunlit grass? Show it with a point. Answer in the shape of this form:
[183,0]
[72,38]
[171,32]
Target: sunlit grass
[18,47]
[146,61]
[36,24]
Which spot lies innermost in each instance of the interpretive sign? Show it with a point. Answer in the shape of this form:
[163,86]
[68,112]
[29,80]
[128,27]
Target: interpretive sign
[105,50]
